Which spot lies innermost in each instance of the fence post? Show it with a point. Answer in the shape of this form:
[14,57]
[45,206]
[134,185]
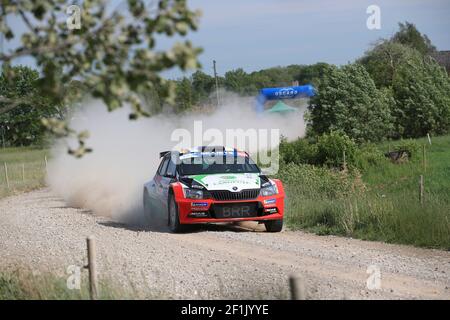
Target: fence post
[421,189]
[424,159]
[297,287]
[92,268]
[45,159]
[345,160]
[429,138]
[6,175]
[23,172]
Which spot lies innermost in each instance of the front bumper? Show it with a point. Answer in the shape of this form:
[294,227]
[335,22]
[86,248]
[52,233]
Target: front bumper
[207,210]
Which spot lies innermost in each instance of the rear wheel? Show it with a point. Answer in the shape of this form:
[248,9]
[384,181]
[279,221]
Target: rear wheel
[174,218]
[274,225]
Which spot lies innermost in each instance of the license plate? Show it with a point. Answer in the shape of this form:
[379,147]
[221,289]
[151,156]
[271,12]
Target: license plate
[238,210]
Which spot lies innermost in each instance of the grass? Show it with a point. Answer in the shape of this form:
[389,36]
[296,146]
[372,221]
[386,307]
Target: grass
[380,204]
[23,284]
[26,169]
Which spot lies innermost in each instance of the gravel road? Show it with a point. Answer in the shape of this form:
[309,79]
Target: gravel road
[39,231]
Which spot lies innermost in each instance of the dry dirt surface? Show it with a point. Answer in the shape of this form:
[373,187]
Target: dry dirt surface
[39,231]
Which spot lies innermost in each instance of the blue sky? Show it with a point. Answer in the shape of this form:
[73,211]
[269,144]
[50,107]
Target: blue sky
[257,34]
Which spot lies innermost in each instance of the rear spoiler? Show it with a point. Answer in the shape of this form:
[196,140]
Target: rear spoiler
[163,153]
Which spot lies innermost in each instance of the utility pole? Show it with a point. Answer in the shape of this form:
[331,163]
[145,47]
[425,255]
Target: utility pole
[217,82]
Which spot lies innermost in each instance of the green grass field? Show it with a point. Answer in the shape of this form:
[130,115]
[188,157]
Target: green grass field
[381,204]
[25,169]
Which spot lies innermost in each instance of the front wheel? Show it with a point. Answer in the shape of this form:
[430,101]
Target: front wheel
[174,218]
[274,225]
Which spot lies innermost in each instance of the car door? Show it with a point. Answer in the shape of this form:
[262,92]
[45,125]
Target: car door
[157,186]
[167,178]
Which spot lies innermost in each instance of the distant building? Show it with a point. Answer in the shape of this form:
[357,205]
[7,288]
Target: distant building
[443,58]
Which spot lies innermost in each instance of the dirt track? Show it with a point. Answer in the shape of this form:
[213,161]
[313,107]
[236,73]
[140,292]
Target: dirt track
[38,230]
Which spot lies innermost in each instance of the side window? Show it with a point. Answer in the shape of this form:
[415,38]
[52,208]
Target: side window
[163,167]
[171,168]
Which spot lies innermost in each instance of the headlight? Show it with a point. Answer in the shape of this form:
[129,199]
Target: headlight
[269,191]
[193,193]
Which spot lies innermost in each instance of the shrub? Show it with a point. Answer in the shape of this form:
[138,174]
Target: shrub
[411,146]
[300,151]
[331,148]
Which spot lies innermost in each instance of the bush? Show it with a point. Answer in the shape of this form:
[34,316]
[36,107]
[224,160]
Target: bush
[368,155]
[410,146]
[331,148]
[319,182]
[300,151]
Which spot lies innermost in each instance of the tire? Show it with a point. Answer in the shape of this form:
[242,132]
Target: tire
[274,225]
[174,218]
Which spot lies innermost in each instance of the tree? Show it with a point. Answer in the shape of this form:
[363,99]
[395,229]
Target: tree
[240,82]
[203,84]
[409,35]
[113,53]
[421,88]
[385,57]
[184,95]
[383,61]
[22,125]
[348,101]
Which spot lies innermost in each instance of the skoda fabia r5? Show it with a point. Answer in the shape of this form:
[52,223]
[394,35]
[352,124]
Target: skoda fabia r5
[223,185]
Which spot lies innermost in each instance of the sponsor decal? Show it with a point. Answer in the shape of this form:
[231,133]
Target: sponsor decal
[228,177]
[286,92]
[227,181]
[269,201]
[199,204]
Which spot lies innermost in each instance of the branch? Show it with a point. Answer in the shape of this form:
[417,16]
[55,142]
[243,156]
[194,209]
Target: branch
[27,22]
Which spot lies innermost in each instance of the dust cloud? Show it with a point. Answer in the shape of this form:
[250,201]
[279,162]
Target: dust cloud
[109,181]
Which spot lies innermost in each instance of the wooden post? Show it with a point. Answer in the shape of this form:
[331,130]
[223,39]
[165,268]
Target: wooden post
[421,189]
[23,172]
[345,162]
[424,159]
[92,268]
[6,175]
[297,287]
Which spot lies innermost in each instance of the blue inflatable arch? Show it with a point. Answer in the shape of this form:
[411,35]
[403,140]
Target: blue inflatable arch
[282,93]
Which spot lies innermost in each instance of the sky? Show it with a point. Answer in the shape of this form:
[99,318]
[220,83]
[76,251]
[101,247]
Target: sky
[258,34]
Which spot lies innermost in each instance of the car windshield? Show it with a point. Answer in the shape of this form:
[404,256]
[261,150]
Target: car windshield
[211,165]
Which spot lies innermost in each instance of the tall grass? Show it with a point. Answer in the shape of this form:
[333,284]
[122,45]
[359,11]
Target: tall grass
[382,203]
[26,169]
[23,284]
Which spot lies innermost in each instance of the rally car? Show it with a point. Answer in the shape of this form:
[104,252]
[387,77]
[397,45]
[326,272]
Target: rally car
[212,185]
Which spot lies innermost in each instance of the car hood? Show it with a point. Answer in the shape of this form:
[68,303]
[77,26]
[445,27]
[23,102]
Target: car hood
[233,182]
